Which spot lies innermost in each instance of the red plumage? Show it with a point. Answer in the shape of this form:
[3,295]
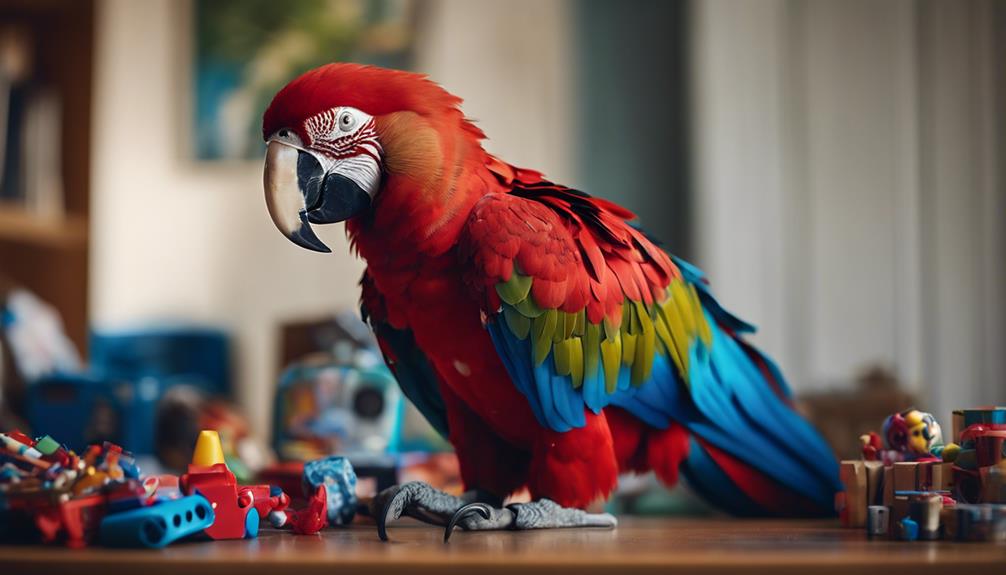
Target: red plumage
[581,254]
[375,90]
[448,224]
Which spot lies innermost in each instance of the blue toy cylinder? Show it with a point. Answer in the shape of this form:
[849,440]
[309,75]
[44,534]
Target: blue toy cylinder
[157,525]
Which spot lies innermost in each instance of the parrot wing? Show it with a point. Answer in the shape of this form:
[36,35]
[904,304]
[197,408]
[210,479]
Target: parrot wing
[411,368]
[586,311]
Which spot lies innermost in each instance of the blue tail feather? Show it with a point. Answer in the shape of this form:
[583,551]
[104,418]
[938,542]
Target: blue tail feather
[728,401]
[708,480]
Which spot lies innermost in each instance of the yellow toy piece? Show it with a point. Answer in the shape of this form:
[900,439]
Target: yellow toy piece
[90,479]
[208,449]
[950,452]
[923,432]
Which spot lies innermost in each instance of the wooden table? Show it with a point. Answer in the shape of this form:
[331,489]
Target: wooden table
[638,545]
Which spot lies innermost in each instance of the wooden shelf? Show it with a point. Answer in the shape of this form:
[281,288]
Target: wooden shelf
[50,256]
[20,227]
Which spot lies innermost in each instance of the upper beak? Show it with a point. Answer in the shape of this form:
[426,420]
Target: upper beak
[298,193]
[289,187]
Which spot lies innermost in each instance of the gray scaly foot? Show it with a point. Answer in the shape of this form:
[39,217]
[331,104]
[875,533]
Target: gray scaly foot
[420,501]
[540,514]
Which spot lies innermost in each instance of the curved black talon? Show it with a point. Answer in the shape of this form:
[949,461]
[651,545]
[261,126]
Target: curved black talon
[481,508]
[395,506]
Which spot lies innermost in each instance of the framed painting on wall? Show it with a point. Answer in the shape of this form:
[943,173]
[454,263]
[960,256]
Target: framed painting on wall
[246,50]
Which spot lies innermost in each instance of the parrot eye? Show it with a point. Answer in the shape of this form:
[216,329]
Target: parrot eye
[347,121]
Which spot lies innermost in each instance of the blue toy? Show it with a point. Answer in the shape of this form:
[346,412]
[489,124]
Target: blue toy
[200,355]
[339,479]
[118,397]
[158,525]
[908,530]
[335,408]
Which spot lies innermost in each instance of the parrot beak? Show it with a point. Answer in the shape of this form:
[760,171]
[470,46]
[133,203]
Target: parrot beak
[299,193]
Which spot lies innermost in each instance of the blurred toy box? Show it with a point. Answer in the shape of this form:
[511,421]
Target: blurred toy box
[119,396]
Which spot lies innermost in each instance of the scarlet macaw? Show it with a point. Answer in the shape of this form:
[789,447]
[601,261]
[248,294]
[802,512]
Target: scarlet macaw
[551,341]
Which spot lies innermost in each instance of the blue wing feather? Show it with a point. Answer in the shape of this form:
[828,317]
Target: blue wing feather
[594,394]
[727,401]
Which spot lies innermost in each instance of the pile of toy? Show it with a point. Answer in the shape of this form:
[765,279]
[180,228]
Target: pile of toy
[911,485]
[51,493]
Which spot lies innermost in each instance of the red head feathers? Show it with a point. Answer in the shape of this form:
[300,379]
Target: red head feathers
[367,145]
[376,91]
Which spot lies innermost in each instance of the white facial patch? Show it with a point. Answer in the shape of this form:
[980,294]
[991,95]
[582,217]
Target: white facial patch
[346,139]
[364,170]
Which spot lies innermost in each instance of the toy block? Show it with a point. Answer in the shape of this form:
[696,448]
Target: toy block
[853,477]
[209,476]
[337,476]
[47,445]
[904,480]
[925,510]
[928,476]
[946,476]
[993,481]
[237,510]
[314,517]
[986,415]
[997,523]
[217,484]
[888,487]
[948,519]
[908,530]
[905,476]
[878,520]
[957,424]
[971,522]
[900,509]
[874,482]
[157,525]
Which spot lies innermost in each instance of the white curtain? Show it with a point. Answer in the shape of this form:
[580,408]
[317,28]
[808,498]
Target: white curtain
[849,186]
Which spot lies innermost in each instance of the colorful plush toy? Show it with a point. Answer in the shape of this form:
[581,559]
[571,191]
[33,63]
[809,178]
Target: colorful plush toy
[550,339]
[910,435]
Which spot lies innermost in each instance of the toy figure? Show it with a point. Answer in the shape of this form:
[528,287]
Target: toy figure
[911,435]
[552,341]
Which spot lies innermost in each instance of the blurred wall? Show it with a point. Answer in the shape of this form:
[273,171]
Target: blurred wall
[850,186]
[632,91]
[512,63]
[175,240]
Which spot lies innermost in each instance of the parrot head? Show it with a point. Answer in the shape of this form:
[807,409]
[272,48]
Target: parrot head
[337,133]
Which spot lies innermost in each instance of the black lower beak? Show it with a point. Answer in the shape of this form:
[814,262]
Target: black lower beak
[341,198]
[305,237]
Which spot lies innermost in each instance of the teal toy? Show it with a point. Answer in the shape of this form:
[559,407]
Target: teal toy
[157,525]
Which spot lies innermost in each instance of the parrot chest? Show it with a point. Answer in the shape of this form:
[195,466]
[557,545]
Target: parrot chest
[433,301]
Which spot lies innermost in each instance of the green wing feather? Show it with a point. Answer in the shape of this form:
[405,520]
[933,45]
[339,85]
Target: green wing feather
[515,289]
[577,346]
